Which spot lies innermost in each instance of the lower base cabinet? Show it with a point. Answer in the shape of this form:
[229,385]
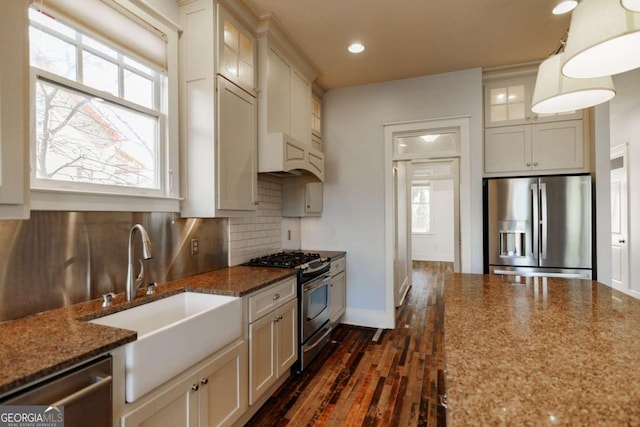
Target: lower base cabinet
[273,347]
[214,395]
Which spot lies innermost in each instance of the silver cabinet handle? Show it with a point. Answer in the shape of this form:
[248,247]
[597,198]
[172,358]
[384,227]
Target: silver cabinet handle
[276,296]
[622,241]
[535,163]
[195,387]
[528,163]
[83,392]
[204,381]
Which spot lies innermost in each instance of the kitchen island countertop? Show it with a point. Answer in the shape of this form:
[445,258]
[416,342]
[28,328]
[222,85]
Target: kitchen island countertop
[540,351]
[37,346]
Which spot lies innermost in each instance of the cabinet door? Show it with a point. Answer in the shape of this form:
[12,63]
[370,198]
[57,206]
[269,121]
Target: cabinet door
[236,51]
[558,146]
[300,108]
[262,354]
[223,388]
[313,197]
[177,406]
[237,149]
[338,296]
[508,102]
[316,117]
[287,350]
[507,149]
[278,93]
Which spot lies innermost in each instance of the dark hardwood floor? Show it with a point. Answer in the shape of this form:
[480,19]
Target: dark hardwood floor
[396,381]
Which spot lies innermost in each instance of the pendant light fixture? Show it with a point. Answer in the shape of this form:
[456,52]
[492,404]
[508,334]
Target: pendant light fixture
[555,93]
[632,5]
[604,39]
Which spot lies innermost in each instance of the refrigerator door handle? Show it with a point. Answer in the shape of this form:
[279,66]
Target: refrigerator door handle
[543,221]
[534,221]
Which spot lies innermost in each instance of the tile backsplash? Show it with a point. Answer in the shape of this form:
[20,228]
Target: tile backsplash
[258,235]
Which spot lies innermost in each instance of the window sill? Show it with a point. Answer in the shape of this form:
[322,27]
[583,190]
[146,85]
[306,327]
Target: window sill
[58,200]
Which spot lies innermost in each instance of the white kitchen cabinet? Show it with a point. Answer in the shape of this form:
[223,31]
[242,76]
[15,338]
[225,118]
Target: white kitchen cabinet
[285,95]
[14,110]
[338,290]
[218,121]
[316,122]
[508,102]
[236,51]
[301,198]
[555,147]
[273,347]
[215,394]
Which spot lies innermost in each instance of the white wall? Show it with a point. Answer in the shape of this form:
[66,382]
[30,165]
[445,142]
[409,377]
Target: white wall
[353,137]
[437,245]
[625,127]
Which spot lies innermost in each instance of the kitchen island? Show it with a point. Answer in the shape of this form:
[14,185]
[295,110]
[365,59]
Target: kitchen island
[540,351]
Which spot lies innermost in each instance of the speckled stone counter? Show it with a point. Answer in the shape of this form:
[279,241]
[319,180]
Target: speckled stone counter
[40,345]
[540,352]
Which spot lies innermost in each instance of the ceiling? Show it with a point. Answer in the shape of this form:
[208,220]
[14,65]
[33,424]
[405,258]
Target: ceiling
[409,38]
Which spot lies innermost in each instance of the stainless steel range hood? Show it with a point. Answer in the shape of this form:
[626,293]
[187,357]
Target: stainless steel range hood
[282,155]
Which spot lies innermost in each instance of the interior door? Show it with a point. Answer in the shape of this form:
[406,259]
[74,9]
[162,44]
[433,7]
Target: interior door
[402,258]
[619,221]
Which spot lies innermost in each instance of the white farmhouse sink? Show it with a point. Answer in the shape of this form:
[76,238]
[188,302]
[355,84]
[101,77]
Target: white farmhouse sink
[173,334]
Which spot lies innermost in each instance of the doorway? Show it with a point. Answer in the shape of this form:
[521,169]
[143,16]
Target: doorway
[619,219]
[435,147]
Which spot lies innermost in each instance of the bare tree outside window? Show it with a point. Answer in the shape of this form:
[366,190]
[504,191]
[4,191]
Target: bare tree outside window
[83,134]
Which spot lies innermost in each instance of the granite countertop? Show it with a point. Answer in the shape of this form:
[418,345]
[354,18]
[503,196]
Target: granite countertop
[540,352]
[42,344]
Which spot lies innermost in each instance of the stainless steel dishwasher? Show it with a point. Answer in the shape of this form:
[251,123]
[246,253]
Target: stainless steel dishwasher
[85,392]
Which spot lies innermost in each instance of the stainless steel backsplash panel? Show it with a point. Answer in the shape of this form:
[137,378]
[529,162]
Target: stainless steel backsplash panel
[57,259]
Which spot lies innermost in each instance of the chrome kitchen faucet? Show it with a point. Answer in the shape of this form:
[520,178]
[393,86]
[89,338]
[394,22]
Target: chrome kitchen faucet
[134,283]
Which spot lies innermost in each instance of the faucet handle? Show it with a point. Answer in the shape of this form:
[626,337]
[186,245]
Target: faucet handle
[140,277]
[151,288]
[107,299]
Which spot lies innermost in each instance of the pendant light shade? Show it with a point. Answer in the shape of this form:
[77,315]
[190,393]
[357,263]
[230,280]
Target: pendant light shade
[632,5]
[604,39]
[555,93]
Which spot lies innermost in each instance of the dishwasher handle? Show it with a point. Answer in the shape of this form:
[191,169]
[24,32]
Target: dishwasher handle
[101,382]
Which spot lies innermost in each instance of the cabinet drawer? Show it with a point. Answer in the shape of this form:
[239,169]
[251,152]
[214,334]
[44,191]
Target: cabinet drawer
[271,298]
[338,265]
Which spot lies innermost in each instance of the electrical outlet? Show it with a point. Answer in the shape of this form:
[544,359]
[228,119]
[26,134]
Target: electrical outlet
[194,247]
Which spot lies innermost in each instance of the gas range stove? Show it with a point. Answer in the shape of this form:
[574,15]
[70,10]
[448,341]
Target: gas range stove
[286,260]
[310,265]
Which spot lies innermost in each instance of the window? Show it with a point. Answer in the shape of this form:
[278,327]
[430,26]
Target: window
[421,208]
[97,113]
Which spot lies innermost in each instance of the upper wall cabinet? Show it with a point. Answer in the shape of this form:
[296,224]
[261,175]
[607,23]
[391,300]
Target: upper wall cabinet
[508,102]
[236,51]
[287,93]
[316,121]
[14,110]
[218,113]
[285,105]
[520,142]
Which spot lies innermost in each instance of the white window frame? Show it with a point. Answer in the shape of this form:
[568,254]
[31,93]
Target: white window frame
[428,185]
[61,195]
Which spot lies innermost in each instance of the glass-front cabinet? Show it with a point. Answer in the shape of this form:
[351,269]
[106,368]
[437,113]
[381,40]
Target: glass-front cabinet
[236,51]
[508,102]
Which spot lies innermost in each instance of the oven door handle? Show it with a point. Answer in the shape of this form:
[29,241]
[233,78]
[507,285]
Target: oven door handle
[319,340]
[313,285]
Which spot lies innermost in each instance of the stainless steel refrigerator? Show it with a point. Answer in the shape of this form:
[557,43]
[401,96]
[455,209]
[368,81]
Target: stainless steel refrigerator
[539,226]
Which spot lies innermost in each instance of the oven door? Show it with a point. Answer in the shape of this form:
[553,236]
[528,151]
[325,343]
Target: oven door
[315,305]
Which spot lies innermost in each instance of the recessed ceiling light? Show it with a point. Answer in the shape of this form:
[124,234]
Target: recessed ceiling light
[564,6]
[356,47]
